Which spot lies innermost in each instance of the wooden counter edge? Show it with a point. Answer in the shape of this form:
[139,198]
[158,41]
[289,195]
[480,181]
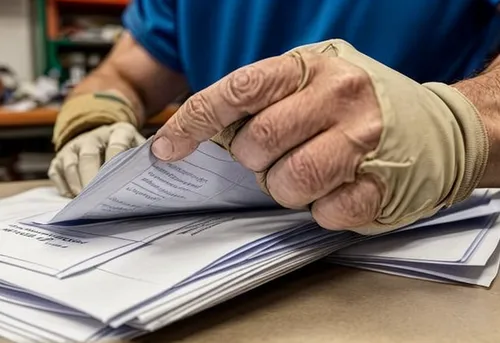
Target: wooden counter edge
[47,117]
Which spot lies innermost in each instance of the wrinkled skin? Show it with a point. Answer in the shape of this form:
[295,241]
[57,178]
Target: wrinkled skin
[314,118]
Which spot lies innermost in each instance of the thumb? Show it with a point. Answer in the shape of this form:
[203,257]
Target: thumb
[246,91]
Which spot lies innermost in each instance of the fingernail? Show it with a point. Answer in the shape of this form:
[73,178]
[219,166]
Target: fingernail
[162,148]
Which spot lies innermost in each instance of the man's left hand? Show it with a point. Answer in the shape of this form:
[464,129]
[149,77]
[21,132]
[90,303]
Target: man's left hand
[328,128]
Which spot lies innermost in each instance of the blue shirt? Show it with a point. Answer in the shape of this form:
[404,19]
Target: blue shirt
[427,40]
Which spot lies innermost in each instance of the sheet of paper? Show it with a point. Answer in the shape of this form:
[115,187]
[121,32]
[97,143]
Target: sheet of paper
[475,275]
[137,184]
[181,263]
[194,287]
[103,242]
[93,244]
[230,292]
[14,334]
[147,272]
[22,298]
[393,271]
[479,269]
[30,331]
[86,246]
[209,278]
[126,334]
[34,202]
[444,243]
[472,208]
[296,240]
[237,284]
[73,328]
[39,250]
[272,247]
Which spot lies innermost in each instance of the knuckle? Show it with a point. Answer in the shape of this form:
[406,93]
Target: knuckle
[197,106]
[263,133]
[352,81]
[304,173]
[53,169]
[202,112]
[69,161]
[197,115]
[176,127]
[75,145]
[122,128]
[244,86]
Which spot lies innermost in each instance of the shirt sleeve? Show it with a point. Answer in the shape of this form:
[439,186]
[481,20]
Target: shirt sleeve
[152,23]
[494,3]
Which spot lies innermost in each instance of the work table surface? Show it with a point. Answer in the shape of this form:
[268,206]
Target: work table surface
[325,303]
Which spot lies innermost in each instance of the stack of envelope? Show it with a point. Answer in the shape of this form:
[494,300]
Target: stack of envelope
[149,243]
[464,252]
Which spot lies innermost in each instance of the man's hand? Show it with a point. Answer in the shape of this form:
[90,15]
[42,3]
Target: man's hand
[128,87]
[78,162]
[328,128]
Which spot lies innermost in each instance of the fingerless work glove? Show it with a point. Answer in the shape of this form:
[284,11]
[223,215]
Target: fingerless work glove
[433,149]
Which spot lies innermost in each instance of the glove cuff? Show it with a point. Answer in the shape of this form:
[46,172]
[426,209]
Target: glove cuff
[474,137]
[433,149]
[88,111]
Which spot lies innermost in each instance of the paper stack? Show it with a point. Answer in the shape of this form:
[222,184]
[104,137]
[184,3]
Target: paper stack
[464,252]
[149,243]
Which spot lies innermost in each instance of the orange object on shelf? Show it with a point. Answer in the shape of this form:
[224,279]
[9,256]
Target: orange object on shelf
[47,117]
[97,2]
[52,13]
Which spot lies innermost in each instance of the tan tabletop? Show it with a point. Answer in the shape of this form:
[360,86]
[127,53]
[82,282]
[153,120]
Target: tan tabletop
[324,303]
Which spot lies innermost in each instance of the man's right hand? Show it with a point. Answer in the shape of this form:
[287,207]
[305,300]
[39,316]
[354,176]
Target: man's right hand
[78,162]
[129,86]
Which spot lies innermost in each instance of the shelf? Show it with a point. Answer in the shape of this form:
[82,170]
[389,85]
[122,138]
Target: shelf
[47,117]
[36,117]
[51,13]
[96,2]
[78,43]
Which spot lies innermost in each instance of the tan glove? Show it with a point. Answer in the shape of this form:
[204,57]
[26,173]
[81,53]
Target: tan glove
[90,130]
[79,161]
[89,111]
[433,148]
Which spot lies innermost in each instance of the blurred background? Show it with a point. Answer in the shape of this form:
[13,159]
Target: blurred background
[46,48]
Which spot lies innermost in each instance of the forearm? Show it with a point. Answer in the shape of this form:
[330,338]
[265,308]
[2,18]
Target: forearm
[108,78]
[147,85]
[484,92]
